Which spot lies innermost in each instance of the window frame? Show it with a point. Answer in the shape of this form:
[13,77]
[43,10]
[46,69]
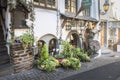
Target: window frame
[46,5]
[13,18]
[71,6]
[86,12]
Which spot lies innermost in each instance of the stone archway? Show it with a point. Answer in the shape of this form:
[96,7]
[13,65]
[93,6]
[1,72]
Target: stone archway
[53,46]
[51,42]
[40,44]
[73,39]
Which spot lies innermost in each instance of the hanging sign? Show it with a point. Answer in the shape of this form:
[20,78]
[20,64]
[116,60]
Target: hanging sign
[86,3]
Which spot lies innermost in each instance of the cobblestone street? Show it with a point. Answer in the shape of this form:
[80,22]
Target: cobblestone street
[59,73]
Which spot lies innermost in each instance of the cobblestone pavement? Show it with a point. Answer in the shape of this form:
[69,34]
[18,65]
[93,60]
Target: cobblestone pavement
[59,73]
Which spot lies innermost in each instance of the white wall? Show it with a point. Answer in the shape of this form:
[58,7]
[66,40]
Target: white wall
[19,32]
[45,22]
[116,9]
[94,9]
[61,6]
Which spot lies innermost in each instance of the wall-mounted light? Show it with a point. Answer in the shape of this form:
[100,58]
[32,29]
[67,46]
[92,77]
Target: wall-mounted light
[105,7]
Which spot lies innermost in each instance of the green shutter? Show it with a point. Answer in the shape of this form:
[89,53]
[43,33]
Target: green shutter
[86,3]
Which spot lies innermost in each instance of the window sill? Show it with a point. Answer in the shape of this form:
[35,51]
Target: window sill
[55,9]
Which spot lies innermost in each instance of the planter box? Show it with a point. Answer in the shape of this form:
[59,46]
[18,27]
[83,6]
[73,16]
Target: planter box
[21,60]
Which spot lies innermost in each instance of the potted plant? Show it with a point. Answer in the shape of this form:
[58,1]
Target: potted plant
[21,54]
[26,40]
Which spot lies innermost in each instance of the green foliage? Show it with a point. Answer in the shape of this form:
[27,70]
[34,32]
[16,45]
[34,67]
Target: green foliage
[84,57]
[44,52]
[75,63]
[66,49]
[90,52]
[75,52]
[59,56]
[44,55]
[39,61]
[27,40]
[82,51]
[45,61]
[54,60]
[65,63]
[48,65]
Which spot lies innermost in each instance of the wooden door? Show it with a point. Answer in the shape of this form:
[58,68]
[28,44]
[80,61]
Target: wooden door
[102,40]
[119,34]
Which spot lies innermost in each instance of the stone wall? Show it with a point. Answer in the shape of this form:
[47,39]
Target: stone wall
[21,60]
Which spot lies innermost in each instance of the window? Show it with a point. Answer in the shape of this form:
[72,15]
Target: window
[46,3]
[18,17]
[70,6]
[86,12]
[36,2]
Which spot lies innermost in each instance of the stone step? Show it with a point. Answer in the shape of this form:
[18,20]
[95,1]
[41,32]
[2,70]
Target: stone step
[3,50]
[2,42]
[4,59]
[6,69]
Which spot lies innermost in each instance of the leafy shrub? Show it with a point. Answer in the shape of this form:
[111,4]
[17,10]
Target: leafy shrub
[27,40]
[48,65]
[84,57]
[90,52]
[66,49]
[75,63]
[54,60]
[39,61]
[44,53]
[59,55]
[75,52]
[65,63]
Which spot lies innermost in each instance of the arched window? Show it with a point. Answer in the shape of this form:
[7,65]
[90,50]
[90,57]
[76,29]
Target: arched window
[52,46]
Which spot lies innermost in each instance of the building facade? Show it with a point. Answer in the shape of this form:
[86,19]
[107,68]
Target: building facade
[56,20]
[110,24]
[53,21]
